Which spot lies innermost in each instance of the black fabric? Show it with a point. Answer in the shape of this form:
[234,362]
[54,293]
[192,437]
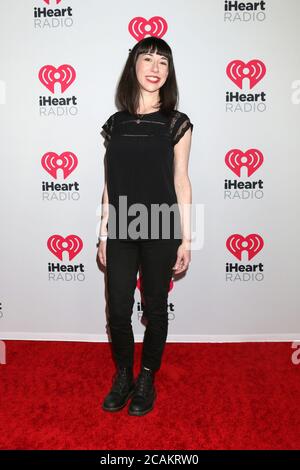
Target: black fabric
[154,260]
[139,160]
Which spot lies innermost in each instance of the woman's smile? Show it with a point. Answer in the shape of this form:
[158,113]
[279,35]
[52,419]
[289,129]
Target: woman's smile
[152,79]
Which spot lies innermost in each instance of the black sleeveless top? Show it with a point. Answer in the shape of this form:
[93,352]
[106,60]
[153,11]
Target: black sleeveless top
[139,160]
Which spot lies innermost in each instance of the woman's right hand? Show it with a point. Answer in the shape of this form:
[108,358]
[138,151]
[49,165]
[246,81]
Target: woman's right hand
[102,252]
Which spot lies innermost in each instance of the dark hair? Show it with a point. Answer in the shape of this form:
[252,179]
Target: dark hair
[128,89]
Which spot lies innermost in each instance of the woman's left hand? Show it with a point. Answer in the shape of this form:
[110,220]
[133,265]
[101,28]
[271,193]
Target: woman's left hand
[183,257]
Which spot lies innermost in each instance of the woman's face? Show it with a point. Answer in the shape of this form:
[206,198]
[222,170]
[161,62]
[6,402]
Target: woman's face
[151,71]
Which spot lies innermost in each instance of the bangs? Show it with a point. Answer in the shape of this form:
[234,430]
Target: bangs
[154,45]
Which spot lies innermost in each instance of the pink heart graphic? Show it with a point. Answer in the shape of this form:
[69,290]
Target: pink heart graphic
[139,27]
[254,70]
[58,244]
[236,244]
[252,159]
[66,161]
[49,75]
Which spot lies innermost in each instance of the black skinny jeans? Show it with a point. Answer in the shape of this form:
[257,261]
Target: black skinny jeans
[155,258]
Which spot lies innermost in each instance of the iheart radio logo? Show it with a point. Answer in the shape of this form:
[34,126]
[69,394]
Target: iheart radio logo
[139,27]
[252,159]
[254,70]
[58,244]
[49,75]
[48,2]
[66,161]
[236,244]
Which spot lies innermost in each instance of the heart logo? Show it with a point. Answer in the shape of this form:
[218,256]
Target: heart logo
[49,75]
[252,159]
[58,244]
[66,161]
[139,27]
[236,244]
[254,70]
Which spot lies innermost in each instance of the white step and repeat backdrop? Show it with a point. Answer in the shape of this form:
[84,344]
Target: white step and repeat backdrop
[238,71]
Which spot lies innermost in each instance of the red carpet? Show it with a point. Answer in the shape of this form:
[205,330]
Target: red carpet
[210,396]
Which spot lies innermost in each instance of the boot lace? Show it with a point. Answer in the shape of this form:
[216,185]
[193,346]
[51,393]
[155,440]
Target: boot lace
[143,383]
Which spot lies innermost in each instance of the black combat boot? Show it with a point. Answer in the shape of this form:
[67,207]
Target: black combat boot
[121,391]
[144,393]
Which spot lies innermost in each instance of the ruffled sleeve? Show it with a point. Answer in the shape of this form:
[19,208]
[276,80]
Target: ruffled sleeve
[108,127]
[180,123]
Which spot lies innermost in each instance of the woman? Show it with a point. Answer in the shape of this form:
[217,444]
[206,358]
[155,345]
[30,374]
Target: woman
[147,165]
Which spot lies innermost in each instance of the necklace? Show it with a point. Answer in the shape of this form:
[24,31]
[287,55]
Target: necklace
[140,117]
